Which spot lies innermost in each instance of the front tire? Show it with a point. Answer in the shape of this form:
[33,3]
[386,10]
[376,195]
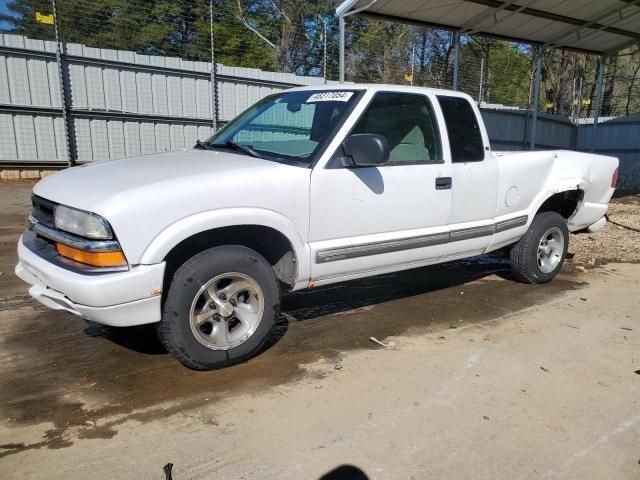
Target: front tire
[221,308]
[540,253]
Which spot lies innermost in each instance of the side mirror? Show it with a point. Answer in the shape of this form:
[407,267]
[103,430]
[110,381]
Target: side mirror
[367,149]
[294,107]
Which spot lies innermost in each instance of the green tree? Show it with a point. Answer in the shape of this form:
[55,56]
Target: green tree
[291,30]
[378,51]
[182,28]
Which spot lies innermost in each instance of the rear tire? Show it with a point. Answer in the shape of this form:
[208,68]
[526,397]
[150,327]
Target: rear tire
[221,308]
[540,253]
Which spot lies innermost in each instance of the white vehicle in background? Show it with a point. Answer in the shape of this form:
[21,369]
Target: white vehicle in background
[308,187]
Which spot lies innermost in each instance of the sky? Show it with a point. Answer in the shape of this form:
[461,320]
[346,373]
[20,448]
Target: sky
[3,9]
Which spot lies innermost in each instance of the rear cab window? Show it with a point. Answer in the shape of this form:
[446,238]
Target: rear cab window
[465,137]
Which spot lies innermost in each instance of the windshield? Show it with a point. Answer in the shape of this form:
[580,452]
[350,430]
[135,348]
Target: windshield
[289,126]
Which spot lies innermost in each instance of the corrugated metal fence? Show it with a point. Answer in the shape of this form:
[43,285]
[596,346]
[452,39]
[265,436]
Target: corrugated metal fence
[507,130]
[121,103]
[619,138]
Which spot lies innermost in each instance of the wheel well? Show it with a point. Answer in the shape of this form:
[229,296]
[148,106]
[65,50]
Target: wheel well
[268,242]
[565,203]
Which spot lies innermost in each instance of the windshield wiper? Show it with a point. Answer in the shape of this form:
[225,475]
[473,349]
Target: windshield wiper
[237,146]
[201,145]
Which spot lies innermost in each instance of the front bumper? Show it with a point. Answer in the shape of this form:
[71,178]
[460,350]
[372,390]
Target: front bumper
[131,297]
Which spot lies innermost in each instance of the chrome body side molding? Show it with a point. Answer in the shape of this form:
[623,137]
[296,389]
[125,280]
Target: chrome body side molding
[343,253]
[511,223]
[388,246]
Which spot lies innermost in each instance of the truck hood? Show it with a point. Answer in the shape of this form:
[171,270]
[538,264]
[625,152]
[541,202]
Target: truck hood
[142,196]
[88,186]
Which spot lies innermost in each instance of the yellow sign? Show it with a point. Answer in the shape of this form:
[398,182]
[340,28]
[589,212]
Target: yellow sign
[46,18]
[549,105]
[408,77]
[586,101]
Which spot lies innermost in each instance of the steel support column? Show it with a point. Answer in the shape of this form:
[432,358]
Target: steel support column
[597,99]
[535,100]
[341,59]
[341,15]
[214,75]
[65,101]
[456,59]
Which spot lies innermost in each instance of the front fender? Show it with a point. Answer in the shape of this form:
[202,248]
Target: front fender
[186,227]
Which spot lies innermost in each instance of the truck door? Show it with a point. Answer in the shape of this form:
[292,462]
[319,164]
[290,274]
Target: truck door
[474,172]
[382,218]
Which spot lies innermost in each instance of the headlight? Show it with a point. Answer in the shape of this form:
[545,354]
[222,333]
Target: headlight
[84,224]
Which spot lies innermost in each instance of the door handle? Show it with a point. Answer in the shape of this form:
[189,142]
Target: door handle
[443,183]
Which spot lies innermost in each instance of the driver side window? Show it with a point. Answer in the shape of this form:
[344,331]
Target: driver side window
[409,125]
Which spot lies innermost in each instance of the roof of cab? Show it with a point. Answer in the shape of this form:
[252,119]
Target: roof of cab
[381,87]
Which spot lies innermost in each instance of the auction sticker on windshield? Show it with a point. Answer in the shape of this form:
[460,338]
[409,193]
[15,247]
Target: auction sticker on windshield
[330,97]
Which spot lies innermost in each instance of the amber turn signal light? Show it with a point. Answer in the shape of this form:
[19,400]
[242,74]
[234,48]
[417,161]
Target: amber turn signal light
[95,259]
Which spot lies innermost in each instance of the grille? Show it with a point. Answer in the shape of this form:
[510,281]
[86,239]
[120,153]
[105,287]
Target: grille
[42,211]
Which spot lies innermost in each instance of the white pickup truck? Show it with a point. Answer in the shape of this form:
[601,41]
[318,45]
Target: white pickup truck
[307,187]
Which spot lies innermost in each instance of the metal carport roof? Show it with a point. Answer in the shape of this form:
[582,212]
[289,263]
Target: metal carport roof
[594,26]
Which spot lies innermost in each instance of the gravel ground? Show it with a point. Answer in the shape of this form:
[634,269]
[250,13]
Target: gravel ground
[616,243]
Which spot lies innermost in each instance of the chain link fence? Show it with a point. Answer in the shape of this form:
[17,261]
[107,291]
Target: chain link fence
[290,42]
